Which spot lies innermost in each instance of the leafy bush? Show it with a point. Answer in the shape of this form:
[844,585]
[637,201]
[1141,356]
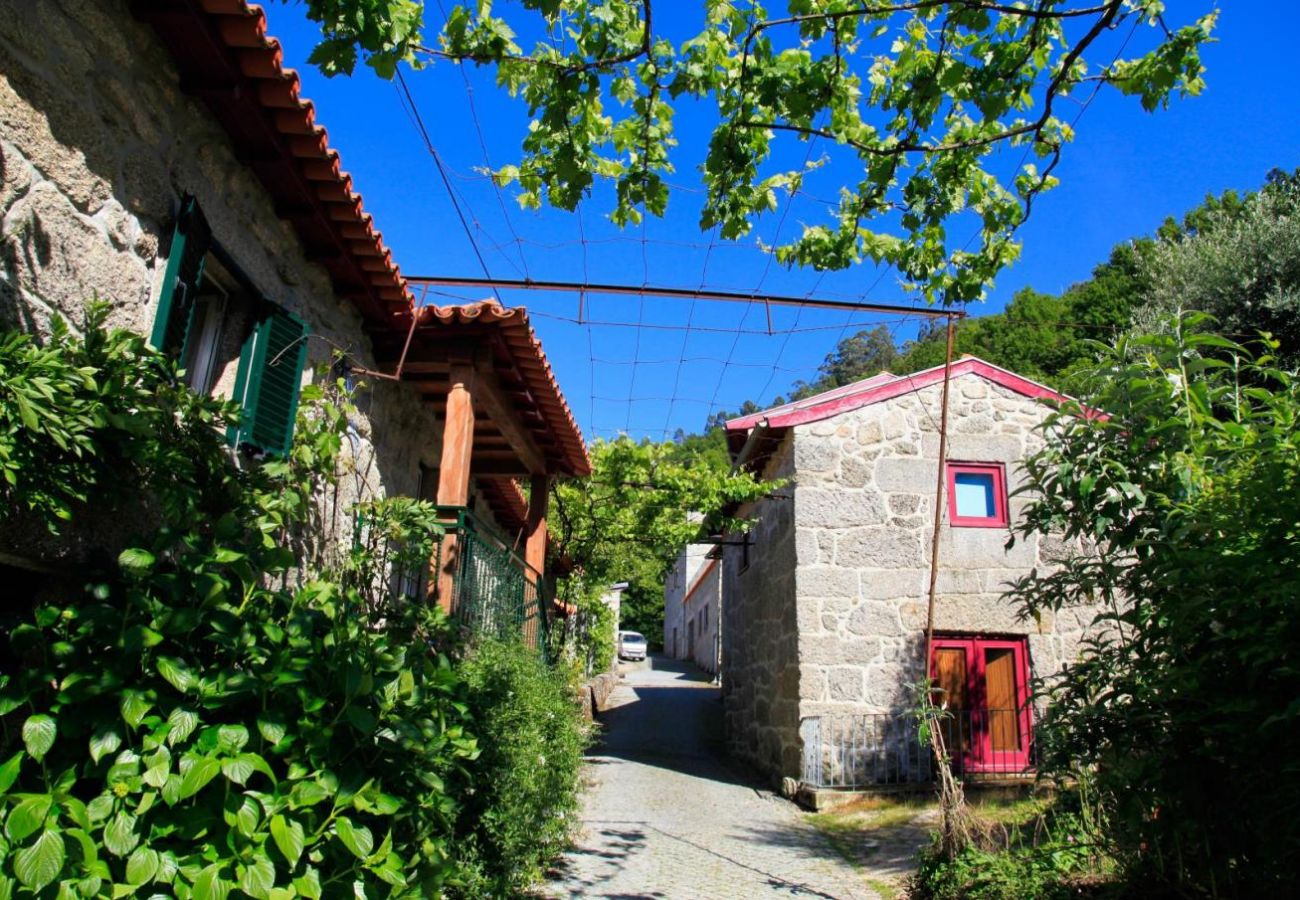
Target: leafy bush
[190,724]
[1180,507]
[531,740]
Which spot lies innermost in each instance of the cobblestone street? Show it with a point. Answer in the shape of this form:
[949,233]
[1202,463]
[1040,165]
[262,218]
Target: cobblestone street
[666,815]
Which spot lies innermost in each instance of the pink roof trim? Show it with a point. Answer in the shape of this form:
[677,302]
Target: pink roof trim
[885,387]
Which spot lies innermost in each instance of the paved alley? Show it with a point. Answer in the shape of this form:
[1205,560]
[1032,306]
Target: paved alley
[666,815]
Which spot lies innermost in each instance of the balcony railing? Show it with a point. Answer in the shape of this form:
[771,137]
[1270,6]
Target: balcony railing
[494,592]
[880,750]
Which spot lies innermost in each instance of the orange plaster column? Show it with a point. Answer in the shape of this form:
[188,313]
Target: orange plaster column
[453,469]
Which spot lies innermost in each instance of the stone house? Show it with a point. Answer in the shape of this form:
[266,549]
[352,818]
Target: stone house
[824,615]
[158,156]
[693,608]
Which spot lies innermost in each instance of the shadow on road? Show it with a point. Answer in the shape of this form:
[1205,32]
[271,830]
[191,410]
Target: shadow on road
[674,722]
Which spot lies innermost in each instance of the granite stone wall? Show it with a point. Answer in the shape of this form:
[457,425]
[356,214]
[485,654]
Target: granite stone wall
[760,657]
[829,619]
[864,519]
[97,145]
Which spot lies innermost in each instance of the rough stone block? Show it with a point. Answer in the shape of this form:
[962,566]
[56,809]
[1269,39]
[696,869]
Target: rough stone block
[879,548]
[854,472]
[907,476]
[845,683]
[830,508]
[875,618]
[827,581]
[814,455]
[892,584]
[870,433]
[829,650]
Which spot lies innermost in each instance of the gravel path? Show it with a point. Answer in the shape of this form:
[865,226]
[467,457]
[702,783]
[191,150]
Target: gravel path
[667,816]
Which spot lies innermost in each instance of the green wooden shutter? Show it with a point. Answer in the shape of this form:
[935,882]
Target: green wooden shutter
[268,382]
[191,241]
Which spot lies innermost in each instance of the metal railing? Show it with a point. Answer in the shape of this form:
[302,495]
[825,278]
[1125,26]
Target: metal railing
[883,749]
[494,592]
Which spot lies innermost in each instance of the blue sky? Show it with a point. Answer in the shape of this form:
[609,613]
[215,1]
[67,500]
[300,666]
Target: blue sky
[1126,171]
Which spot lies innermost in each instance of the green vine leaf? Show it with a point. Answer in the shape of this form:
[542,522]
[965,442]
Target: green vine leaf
[38,735]
[9,772]
[210,885]
[120,837]
[289,837]
[104,741]
[177,673]
[40,864]
[27,817]
[141,866]
[197,771]
[356,838]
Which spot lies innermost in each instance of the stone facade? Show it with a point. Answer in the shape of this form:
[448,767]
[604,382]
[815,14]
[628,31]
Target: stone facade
[97,145]
[834,623]
[760,637]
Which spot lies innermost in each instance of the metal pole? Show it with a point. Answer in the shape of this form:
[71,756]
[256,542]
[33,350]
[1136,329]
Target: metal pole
[938,500]
[584,288]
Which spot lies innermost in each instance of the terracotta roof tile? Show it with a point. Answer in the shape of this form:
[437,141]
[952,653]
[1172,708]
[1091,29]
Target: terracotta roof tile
[217,41]
[529,357]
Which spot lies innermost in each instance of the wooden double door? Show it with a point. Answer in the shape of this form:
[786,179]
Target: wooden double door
[983,684]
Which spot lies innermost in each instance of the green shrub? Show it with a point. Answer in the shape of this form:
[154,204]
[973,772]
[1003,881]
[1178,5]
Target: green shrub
[1179,515]
[184,726]
[531,739]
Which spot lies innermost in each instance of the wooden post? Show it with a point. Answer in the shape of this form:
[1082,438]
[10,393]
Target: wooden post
[939,492]
[535,546]
[454,467]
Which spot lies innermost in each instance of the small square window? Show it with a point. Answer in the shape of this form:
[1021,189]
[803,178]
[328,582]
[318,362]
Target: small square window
[977,495]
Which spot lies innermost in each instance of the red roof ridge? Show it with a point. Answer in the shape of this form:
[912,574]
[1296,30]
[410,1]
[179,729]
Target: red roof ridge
[885,387]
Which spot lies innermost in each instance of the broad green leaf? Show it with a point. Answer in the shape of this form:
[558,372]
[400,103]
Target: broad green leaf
[199,771]
[40,864]
[28,816]
[271,726]
[210,885]
[9,772]
[182,723]
[289,837]
[258,877]
[177,673]
[248,817]
[141,866]
[38,734]
[103,741]
[136,561]
[356,838]
[238,769]
[135,706]
[308,884]
[119,834]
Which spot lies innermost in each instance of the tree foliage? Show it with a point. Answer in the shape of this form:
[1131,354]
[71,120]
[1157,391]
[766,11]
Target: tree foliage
[1177,514]
[631,518]
[915,98]
[1238,261]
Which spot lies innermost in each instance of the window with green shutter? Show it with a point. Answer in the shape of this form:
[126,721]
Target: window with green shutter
[191,240]
[268,382]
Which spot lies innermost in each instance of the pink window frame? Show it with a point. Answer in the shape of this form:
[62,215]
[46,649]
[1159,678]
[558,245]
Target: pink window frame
[982,758]
[999,473]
